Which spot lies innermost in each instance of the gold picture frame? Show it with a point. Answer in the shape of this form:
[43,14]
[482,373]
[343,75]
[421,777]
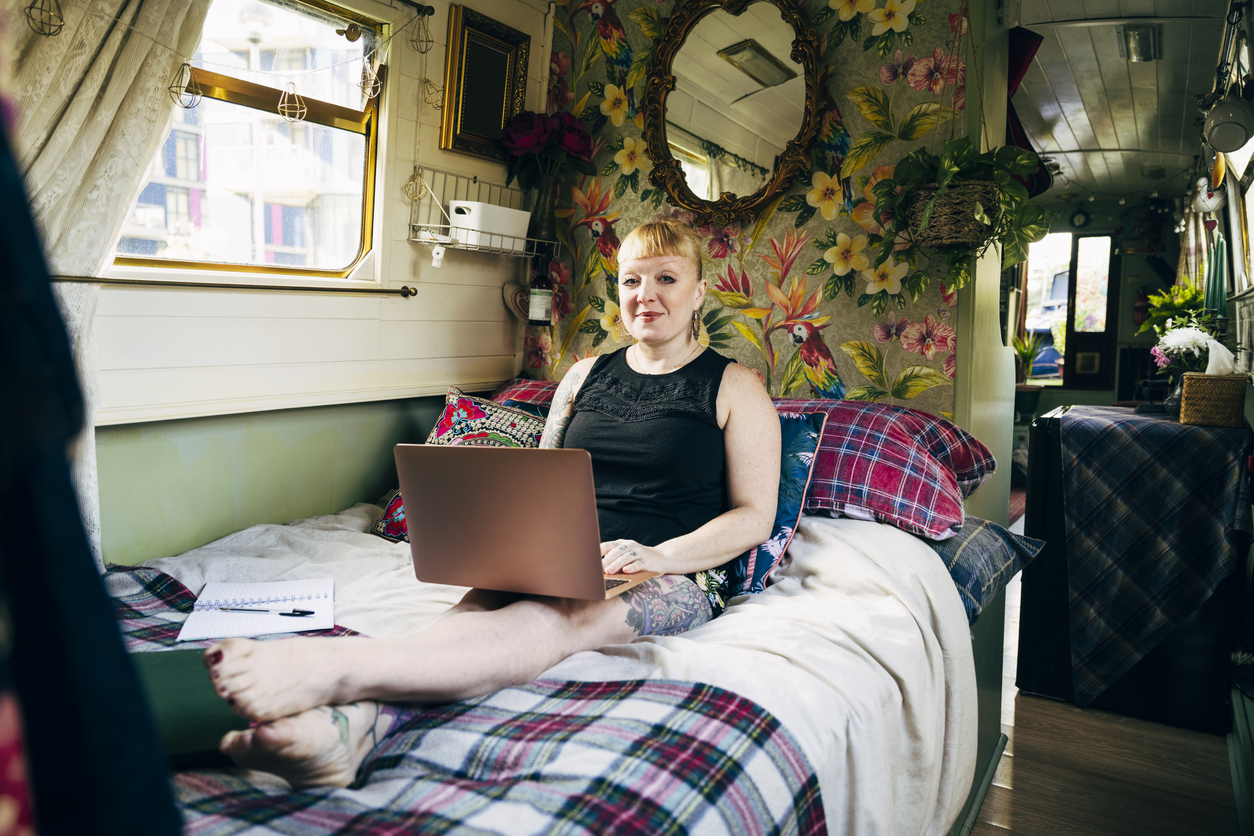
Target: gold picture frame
[485,83]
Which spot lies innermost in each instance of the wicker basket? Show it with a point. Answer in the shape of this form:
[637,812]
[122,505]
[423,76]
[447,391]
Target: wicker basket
[953,217]
[1214,400]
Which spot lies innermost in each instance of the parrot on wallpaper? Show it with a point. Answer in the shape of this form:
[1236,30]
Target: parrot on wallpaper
[831,145]
[602,229]
[614,46]
[817,358]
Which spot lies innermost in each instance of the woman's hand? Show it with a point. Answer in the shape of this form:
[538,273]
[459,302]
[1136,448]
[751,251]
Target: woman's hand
[628,557]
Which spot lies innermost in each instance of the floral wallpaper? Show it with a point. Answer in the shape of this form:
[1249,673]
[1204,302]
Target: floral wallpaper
[794,295]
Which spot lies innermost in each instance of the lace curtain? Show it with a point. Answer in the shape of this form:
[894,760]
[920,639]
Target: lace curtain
[724,177]
[92,108]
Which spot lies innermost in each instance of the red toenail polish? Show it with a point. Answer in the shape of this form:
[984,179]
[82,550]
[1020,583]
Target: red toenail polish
[215,657]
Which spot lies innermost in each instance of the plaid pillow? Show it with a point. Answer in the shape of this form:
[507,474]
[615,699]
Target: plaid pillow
[982,558]
[470,420]
[522,390]
[900,466]
[800,433]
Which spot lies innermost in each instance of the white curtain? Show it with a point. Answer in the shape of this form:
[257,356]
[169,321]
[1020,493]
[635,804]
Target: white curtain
[724,177]
[92,110]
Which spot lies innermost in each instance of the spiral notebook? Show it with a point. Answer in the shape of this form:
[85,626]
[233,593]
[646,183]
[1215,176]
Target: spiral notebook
[209,621]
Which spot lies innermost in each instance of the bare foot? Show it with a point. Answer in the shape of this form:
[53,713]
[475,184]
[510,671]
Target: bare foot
[322,747]
[268,680]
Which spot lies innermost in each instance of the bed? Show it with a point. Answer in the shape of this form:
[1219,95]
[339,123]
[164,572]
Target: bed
[840,698]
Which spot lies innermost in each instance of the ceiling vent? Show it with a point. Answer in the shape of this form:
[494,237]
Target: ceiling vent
[1153,172]
[1140,43]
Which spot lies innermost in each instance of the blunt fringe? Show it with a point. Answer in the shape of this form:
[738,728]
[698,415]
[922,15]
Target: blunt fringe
[664,237]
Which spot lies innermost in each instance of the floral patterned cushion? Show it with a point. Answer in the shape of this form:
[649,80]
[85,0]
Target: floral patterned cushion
[470,420]
[391,523]
[800,439]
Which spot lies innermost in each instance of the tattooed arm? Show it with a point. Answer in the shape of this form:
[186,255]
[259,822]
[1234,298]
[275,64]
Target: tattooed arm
[563,406]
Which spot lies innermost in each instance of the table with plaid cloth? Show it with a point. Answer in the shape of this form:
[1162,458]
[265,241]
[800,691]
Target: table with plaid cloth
[1157,515]
[552,756]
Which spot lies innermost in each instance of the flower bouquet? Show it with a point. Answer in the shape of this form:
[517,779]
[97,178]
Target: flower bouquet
[1208,389]
[542,145]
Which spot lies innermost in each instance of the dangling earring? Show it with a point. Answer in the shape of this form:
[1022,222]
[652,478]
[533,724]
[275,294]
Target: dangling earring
[696,326]
[623,334]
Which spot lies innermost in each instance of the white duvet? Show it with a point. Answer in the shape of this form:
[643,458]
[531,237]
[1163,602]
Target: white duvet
[860,648]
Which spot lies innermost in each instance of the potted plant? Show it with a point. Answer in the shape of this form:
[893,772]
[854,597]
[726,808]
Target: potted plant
[544,149]
[1026,348]
[957,203]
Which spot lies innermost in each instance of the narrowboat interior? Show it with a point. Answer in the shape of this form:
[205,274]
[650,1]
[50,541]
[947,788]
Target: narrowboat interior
[990,260]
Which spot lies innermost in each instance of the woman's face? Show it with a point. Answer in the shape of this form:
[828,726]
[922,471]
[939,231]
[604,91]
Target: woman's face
[658,296]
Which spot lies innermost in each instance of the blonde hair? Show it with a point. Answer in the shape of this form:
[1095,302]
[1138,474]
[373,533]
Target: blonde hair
[664,237]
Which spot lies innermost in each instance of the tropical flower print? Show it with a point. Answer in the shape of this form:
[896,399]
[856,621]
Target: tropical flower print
[563,305]
[894,16]
[826,195]
[632,157]
[886,277]
[681,215]
[537,349]
[847,254]
[847,9]
[611,320]
[890,329]
[464,410]
[864,213]
[740,285]
[930,73]
[951,364]
[723,241]
[928,337]
[560,93]
[950,296]
[897,69]
[615,105]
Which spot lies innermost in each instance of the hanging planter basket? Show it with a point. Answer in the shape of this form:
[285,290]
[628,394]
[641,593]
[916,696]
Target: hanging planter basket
[953,217]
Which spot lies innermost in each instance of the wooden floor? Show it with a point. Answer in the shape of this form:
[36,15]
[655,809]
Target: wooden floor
[1092,773]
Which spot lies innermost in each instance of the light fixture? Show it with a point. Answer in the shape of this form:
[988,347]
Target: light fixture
[751,59]
[1139,43]
[1229,124]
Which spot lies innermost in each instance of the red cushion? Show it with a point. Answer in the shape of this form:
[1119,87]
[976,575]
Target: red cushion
[900,466]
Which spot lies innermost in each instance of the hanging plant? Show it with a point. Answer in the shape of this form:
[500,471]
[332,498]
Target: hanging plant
[957,203]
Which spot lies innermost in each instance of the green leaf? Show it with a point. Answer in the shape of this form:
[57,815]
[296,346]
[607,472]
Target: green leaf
[865,393]
[633,180]
[958,156]
[718,324]
[590,53]
[591,326]
[1014,160]
[873,102]
[1029,224]
[872,40]
[864,149]
[915,284]
[864,298]
[916,19]
[915,380]
[980,216]
[599,338]
[609,168]
[620,187]
[794,376]
[639,66]
[921,119]
[907,39]
[731,299]
[597,89]
[804,216]
[658,197]
[793,203]
[867,359]
[748,334]
[1013,195]
[720,340]
[835,284]
[879,302]
[597,302]
[820,266]
[611,289]
[649,19]
[822,15]
[959,272]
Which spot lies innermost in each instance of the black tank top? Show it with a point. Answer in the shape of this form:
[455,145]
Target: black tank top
[657,450]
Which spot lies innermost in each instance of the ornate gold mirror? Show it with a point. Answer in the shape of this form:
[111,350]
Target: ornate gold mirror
[770,75]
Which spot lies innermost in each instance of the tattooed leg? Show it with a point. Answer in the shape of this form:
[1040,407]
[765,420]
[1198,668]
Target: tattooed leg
[323,746]
[666,606]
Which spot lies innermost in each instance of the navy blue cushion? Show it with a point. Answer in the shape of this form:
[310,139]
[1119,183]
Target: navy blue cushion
[982,557]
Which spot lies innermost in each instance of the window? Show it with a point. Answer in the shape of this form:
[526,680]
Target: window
[234,185]
[1071,302]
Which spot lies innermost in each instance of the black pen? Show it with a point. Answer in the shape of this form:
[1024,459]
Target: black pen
[295,613]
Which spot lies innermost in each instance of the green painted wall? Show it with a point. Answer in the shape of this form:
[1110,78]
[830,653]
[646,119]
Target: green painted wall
[169,486]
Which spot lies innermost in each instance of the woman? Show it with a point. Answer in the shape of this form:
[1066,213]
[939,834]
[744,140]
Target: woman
[685,447]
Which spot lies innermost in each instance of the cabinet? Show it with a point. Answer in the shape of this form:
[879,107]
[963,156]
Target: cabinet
[1129,606]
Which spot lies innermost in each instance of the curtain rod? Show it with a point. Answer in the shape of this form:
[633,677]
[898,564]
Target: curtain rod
[402,291]
[717,151]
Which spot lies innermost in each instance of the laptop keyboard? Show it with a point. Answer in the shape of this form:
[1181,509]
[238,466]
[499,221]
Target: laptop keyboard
[610,583]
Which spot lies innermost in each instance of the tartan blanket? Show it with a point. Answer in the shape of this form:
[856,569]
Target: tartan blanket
[151,607]
[1165,517]
[552,756]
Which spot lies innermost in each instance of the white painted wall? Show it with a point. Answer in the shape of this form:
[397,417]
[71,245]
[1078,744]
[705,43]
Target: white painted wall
[180,352]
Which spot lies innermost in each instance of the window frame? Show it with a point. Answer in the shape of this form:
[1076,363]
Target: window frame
[365,122]
[1104,343]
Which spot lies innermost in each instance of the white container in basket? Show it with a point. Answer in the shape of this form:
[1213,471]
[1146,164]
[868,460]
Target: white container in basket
[478,224]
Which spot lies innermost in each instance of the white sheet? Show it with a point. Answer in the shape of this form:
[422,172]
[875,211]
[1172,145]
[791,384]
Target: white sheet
[860,648]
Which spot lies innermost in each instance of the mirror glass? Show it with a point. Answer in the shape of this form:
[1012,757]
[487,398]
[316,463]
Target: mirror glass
[737,88]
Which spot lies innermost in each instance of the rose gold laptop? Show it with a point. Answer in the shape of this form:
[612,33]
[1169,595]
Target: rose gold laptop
[507,518]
